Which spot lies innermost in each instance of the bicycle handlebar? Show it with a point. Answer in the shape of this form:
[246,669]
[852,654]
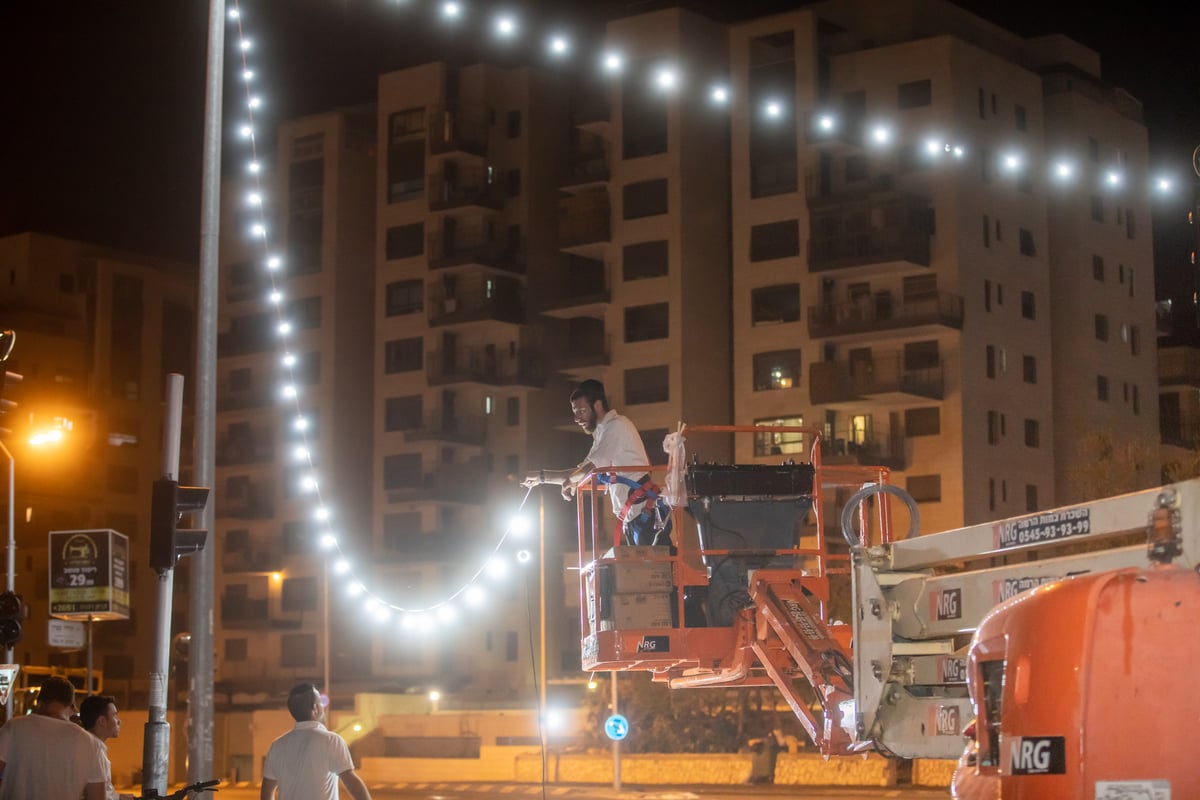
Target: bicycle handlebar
[183,792]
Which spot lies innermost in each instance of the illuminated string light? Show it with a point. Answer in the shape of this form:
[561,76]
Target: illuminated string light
[665,78]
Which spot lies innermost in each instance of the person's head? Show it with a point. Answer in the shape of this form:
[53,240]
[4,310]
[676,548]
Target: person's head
[589,404]
[56,698]
[304,703]
[98,715]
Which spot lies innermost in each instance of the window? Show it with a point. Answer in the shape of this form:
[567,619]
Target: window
[235,649]
[298,650]
[510,646]
[405,241]
[406,122]
[1031,498]
[406,169]
[305,313]
[643,323]
[987,231]
[774,304]
[921,355]
[982,103]
[512,182]
[1101,324]
[1019,114]
[1137,404]
[296,537]
[1135,340]
[1029,368]
[775,240]
[914,94]
[402,413]
[1130,228]
[644,199]
[778,369]
[513,411]
[512,124]
[1097,208]
[857,169]
[643,117]
[919,287]
[991,494]
[646,385]
[299,594]
[924,488]
[985,165]
[1093,149]
[999,236]
[990,361]
[1032,433]
[782,443]
[644,260]
[405,297]
[402,471]
[1027,248]
[1102,388]
[994,427]
[987,295]
[922,421]
[403,355]
[1098,267]
[1028,306]
[307,370]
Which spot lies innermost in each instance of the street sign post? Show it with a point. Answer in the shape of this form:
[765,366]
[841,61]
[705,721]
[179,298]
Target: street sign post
[8,676]
[67,634]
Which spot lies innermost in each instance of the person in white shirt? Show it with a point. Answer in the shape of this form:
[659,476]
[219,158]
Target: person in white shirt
[307,761]
[98,716]
[45,755]
[615,443]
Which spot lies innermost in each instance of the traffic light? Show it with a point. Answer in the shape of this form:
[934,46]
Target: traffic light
[11,612]
[168,504]
[8,379]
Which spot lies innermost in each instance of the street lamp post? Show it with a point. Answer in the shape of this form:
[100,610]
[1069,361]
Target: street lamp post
[10,577]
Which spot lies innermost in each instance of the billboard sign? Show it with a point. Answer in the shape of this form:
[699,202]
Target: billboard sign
[89,574]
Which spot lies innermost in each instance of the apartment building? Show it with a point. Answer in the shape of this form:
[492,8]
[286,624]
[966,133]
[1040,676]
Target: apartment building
[97,330]
[274,626]
[912,271]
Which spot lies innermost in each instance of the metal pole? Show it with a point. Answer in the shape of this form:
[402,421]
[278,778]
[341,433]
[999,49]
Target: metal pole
[200,616]
[542,632]
[616,745]
[11,574]
[88,684]
[156,748]
[325,634]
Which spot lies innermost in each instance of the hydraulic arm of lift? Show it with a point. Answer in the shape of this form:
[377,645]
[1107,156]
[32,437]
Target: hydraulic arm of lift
[893,676]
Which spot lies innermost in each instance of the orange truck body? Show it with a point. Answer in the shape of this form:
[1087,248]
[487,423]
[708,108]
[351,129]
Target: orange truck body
[1086,689]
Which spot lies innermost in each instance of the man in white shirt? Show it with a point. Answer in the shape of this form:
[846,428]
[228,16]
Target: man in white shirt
[98,716]
[615,443]
[45,755]
[307,761]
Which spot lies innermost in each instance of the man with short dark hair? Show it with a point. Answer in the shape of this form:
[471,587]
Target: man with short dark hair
[98,716]
[615,443]
[45,755]
[307,761]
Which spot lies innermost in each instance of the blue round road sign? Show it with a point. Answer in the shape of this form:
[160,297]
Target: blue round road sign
[616,727]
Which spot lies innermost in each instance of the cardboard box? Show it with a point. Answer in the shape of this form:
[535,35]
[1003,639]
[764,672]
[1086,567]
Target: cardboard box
[638,610]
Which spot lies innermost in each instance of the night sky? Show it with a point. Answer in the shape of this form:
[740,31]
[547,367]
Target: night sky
[103,99]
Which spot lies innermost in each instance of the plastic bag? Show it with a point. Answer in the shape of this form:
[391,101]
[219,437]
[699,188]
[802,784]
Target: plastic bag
[674,489]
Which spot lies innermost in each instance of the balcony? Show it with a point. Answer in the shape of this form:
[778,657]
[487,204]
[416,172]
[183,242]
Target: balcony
[248,560]
[591,112]
[255,501]
[457,486]
[585,224]
[241,612]
[445,251]
[885,230]
[582,290]
[462,188]
[1174,433]
[457,429]
[477,298]
[585,353]
[246,448]
[1179,366]
[880,379]
[489,365]
[240,400]
[881,313]
[870,451]
[458,130]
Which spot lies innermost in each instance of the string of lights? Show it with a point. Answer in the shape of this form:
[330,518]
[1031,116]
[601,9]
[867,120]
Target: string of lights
[670,81]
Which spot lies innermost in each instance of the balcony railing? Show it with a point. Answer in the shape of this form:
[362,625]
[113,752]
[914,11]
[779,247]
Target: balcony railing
[458,429]
[249,560]
[256,502]
[458,486]
[241,612]
[872,451]
[585,282]
[230,400]
[1179,366]
[591,351]
[1180,434]
[872,229]
[850,381]
[256,448]
[454,129]
[882,313]
[490,366]
[443,252]
[584,219]
[477,298]
[587,168]
[466,188]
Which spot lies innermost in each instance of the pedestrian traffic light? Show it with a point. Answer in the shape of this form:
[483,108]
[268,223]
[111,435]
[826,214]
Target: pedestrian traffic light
[11,612]
[168,503]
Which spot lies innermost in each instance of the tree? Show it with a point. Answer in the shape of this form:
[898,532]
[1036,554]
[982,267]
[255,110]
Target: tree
[1104,465]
